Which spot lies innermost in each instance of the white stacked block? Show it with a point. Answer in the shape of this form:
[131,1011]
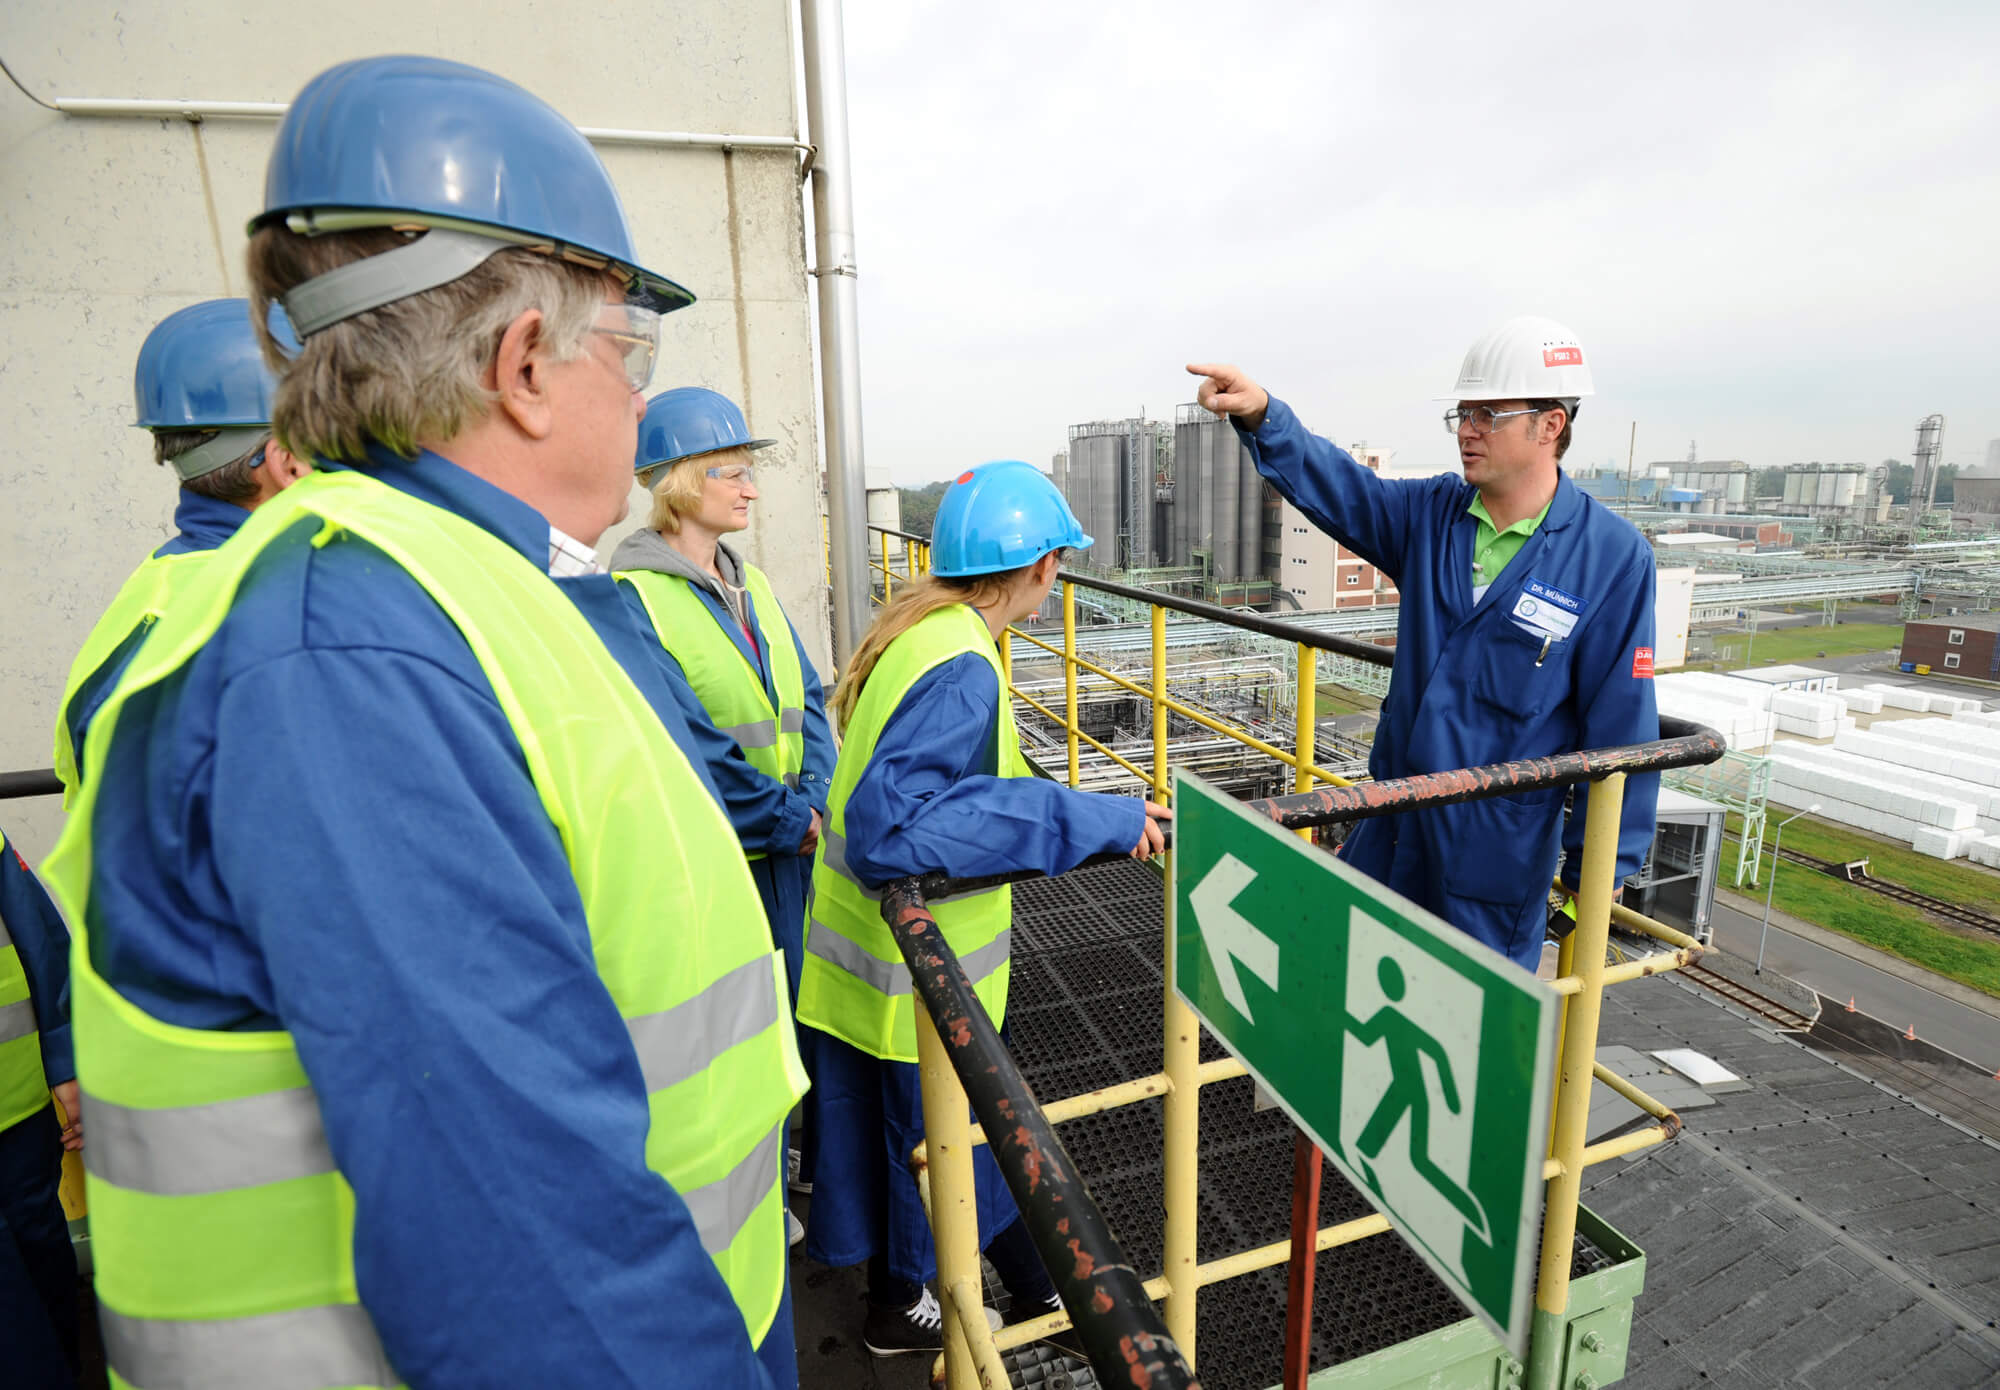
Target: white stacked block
[1940,844]
[1861,701]
[1984,850]
[1979,719]
[1738,710]
[1806,715]
[1959,739]
[1846,790]
[1900,697]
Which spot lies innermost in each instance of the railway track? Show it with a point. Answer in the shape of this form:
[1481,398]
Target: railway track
[1778,1013]
[1958,913]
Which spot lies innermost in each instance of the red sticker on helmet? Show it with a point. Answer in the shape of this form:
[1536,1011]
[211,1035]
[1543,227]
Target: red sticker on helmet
[1562,357]
[1642,663]
[966,476]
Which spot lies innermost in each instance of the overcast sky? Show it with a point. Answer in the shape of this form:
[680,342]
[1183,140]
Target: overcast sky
[1774,227]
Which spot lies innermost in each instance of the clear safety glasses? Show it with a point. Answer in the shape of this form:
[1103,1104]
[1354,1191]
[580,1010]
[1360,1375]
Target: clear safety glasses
[636,332]
[1483,418]
[737,475]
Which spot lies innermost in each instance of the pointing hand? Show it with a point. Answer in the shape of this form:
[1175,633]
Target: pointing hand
[1228,390]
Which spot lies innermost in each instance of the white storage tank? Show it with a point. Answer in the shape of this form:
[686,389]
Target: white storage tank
[1846,485]
[1826,482]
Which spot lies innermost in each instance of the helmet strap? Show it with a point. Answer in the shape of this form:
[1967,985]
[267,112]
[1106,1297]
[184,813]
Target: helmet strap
[228,446]
[438,257]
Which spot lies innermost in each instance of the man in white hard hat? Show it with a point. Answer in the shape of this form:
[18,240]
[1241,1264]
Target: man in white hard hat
[1525,630]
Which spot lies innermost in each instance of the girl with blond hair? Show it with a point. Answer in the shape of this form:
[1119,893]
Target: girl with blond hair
[931,778]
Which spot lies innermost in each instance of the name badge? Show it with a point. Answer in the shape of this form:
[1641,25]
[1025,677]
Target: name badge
[1545,609]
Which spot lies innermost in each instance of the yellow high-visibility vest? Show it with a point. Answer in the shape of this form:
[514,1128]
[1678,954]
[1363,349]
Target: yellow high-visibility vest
[729,687]
[855,984]
[223,1230]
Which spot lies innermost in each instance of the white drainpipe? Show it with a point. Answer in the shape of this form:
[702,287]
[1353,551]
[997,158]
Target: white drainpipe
[839,331]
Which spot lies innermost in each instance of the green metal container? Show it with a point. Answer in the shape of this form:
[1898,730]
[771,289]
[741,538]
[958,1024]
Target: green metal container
[1595,1333]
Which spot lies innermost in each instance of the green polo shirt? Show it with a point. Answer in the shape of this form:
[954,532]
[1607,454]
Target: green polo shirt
[1495,549]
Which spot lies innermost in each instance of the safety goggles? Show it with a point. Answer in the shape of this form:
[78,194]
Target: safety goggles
[1483,418]
[737,475]
[636,332]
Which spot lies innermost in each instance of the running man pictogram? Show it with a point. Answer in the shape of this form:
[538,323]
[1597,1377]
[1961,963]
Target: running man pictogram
[1407,1094]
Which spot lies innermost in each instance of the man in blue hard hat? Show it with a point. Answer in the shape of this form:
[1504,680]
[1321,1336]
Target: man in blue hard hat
[204,394]
[1525,629]
[427,960]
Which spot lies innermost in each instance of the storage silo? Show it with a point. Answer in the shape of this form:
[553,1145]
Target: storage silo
[1059,471]
[1795,480]
[1847,485]
[1225,515]
[1826,483]
[1250,508]
[1738,490]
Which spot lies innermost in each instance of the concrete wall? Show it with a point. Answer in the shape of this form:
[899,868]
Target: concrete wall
[107,225]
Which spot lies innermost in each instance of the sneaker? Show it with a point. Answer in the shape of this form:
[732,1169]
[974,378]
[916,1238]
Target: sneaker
[894,1331]
[795,1229]
[792,1158]
[919,1327]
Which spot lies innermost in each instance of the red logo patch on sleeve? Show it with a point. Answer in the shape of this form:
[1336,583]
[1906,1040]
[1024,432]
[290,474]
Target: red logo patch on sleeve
[1642,663]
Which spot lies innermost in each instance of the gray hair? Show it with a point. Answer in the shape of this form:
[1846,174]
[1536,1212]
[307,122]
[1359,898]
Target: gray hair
[411,370]
[235,481]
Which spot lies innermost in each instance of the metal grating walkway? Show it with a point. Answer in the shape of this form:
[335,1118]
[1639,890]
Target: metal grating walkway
[1084,1012]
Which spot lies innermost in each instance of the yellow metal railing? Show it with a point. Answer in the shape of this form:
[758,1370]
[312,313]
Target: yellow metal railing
[943,1161]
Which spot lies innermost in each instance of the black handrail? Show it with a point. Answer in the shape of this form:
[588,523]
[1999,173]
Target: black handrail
[39,781]
[1107,1301]
[1683,744]
[1237,617]
[1233,617]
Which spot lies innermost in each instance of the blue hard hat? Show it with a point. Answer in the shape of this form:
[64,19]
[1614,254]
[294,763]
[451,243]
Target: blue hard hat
[690,420]
[396,141]
[201,369]
[1000,516]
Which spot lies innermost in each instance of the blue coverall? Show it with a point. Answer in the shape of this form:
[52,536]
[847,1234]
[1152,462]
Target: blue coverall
[1471,686]
[324,823]
[929,800]
[38,1294]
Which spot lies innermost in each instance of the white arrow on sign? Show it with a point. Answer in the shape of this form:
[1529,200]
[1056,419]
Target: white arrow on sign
[1228,934]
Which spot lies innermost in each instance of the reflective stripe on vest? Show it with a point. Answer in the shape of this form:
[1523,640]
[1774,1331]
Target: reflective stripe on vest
[854,984]
[140,601]
[214,1200]
[304,1349]
[24,1087]
[726,682]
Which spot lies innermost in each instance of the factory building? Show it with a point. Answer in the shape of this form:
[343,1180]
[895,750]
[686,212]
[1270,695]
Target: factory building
[1318,572]
[1964,644]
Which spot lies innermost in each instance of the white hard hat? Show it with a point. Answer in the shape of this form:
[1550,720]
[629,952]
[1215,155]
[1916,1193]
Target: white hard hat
[1524,359]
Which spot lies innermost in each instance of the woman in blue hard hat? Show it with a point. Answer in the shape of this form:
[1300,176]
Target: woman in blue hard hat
[721,625]
[931,778]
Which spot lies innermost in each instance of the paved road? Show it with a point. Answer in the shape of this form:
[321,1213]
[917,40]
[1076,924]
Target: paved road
[1956,1027]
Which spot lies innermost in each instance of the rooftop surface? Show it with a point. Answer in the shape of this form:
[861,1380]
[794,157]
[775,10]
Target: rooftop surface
[1808,1229]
